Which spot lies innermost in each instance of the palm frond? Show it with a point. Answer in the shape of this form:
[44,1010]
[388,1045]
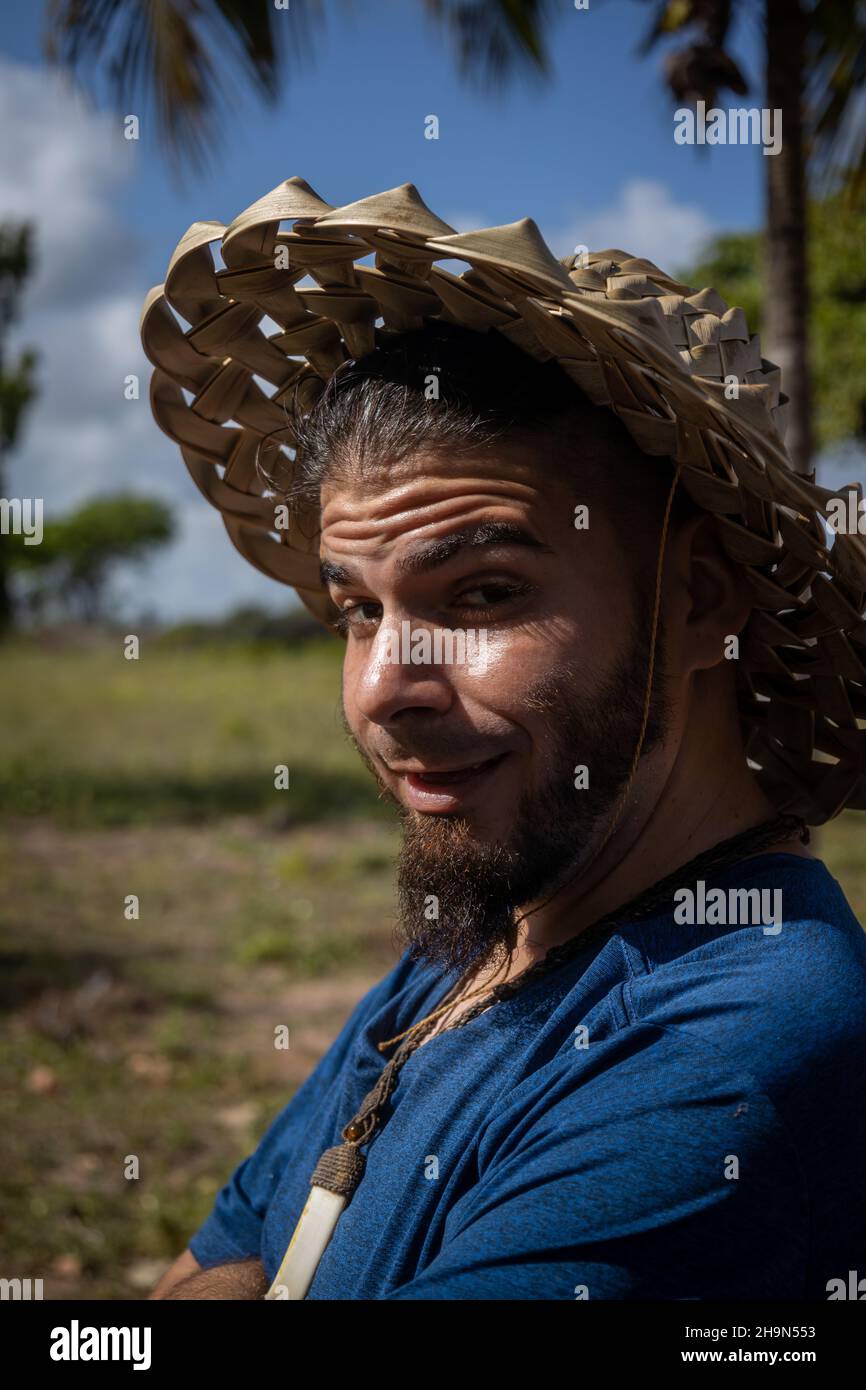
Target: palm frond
[185,55]
[836,94]
[700,68]
[495,38]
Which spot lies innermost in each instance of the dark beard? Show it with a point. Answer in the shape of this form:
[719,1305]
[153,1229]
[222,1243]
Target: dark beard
[457,895]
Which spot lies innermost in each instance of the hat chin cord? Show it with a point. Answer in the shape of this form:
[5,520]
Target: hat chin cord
[613,823]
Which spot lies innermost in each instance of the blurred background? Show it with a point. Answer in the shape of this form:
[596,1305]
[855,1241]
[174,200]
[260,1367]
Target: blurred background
[153,1035]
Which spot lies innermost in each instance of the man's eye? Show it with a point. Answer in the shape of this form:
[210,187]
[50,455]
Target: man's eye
[355,615]
[484,596]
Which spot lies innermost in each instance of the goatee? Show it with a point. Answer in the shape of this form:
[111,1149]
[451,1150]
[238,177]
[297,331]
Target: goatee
[458,895]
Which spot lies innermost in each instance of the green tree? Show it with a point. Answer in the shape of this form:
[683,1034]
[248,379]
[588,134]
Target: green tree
[837,324]
[17,375]
[73,563]
[815,74]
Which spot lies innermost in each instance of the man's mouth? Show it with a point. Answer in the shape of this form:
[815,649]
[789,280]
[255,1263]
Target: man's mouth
[440,790]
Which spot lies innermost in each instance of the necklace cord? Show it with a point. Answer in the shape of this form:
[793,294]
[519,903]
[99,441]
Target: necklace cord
[341,1168]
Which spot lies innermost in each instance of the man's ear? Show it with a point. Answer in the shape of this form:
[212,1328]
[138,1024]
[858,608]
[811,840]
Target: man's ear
[713,589]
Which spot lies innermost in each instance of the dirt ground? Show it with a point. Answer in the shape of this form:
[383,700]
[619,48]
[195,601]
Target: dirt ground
[155,1037]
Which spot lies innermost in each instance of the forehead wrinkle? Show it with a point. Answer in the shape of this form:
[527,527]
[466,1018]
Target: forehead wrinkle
[423,489]
[431,554]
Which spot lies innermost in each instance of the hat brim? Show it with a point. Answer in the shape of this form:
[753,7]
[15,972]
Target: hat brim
[678,367]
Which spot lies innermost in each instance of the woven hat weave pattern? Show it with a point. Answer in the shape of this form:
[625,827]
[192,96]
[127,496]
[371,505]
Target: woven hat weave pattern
[679,367]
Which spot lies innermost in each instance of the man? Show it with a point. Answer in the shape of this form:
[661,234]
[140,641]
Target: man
[630,1012]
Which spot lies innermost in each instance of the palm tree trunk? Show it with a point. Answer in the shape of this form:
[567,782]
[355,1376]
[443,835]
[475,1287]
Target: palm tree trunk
[787,298]
[6,610]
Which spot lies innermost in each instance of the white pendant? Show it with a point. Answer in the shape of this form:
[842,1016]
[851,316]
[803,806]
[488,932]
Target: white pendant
[307,1245]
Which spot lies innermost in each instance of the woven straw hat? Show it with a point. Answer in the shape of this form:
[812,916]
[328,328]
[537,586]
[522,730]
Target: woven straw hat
[660,355]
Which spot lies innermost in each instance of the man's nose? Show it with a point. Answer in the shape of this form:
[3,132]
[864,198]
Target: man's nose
[387,681]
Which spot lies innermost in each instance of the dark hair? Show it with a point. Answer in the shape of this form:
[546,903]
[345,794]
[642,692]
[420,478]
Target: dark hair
[382,408]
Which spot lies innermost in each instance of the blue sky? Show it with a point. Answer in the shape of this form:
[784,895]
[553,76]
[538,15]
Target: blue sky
[589,154]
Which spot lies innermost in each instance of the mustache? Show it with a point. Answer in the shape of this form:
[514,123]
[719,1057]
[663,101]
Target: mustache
[438,749]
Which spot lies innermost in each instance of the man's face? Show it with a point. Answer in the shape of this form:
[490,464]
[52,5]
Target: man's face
[483,755]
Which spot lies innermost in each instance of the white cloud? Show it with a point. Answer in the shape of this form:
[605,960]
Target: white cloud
[646,221]
[63,167]
[60,163]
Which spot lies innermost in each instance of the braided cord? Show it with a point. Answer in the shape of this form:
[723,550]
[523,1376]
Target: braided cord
[369,1118]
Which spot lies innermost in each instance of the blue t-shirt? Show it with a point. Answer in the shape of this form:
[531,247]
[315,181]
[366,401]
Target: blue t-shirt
[678,1113]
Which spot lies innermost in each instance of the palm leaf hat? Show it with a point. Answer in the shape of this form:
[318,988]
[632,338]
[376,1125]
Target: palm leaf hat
[657,353]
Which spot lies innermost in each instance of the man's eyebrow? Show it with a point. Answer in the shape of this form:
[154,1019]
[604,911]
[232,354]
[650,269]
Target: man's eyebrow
[434,553]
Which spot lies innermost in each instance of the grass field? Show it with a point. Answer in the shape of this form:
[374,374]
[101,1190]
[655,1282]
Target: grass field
[257,908]
[153,1036]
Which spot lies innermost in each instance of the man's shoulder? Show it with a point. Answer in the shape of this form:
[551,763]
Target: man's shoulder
[716,1036]
[772,921]
[782,1000]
